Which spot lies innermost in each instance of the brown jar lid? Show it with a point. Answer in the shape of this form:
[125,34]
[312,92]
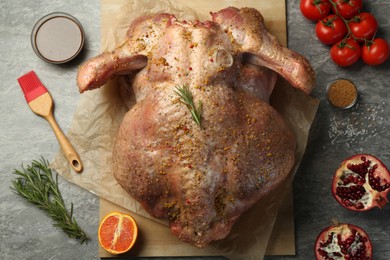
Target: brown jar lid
[342,93]
[57,38]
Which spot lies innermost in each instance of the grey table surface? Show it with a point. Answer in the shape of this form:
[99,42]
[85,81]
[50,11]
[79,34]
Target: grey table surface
[27,233]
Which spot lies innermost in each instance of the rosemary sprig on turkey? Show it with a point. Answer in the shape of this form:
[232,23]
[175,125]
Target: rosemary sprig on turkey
[187,99]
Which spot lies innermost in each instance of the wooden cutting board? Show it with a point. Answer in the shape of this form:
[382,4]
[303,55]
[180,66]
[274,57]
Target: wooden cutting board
[156,240]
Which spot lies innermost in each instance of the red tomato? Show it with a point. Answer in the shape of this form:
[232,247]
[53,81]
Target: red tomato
[363,26]
[348,8]
[376,53]
[315,9]
[345,53]
[331,29]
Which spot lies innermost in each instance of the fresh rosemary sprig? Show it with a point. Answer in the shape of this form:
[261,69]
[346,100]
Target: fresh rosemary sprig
[187,99]
[35,183]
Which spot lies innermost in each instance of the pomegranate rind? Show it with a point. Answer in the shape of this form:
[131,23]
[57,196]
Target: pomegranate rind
[345,230]
[375,198]
[112,228]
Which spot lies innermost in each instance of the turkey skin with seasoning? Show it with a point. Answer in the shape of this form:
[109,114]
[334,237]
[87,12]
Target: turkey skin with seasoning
[201,145]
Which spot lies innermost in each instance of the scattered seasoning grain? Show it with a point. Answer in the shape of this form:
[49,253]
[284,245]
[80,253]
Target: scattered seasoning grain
[160,61]
[342,93]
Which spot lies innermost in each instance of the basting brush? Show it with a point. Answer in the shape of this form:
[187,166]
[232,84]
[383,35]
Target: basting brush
[41,103]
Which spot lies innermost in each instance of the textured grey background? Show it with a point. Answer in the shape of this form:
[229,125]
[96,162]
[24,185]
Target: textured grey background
[26,232]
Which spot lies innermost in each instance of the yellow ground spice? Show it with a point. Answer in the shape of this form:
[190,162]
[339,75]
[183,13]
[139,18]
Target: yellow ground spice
[342,93]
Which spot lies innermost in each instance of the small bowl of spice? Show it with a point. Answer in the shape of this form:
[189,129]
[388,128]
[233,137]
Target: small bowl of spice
[342,93]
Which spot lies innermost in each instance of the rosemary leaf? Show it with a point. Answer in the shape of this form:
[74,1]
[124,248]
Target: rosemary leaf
[186,98]
[35,183]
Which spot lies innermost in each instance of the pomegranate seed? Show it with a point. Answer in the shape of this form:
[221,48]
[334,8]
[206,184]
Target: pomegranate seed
[352,193]
[361,169]
[375,182]
[359,205]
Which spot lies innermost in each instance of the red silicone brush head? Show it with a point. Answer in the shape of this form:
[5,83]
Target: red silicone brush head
[31,85]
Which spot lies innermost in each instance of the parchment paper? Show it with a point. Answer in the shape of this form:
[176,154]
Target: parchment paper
[100,112]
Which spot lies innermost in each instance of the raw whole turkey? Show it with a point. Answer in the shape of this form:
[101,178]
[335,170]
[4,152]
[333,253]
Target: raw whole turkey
[201,145]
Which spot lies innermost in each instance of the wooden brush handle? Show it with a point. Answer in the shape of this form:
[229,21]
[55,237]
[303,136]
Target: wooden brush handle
[70,154]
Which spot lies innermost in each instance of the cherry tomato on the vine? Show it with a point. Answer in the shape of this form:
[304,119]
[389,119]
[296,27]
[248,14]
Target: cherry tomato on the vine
[315,9]
[363,26]
[331,29]
[345,53]
[348,8]
[375,52]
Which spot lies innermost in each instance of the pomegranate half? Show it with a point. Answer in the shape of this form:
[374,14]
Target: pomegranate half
[343,241]
[361,182]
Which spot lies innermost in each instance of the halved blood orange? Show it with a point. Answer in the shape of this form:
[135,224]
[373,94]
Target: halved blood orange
[117,232]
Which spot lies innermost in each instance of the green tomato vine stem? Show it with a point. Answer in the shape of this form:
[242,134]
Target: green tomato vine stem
[349,33]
